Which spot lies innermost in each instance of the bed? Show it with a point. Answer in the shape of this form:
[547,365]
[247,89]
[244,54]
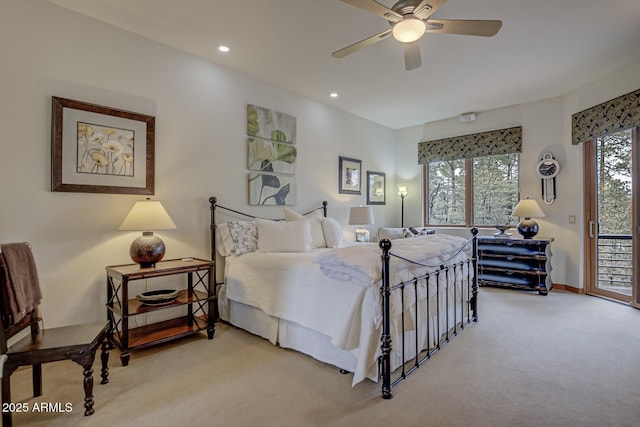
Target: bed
[367,308]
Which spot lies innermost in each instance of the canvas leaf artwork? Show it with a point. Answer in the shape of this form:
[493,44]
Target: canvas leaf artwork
[271,156]
[272,153]
[268,124]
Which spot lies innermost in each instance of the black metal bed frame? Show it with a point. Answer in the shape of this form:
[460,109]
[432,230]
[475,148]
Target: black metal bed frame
[443,268]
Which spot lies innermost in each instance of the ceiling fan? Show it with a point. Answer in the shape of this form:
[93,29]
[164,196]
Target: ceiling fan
[409,20]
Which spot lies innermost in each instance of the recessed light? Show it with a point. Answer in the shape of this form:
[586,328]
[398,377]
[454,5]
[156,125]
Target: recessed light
[224,49]
[333,94]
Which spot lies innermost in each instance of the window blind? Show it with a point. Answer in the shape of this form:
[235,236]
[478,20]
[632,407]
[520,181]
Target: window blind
[617,114]
[502,141]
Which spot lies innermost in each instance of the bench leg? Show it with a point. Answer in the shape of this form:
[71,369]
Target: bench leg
[6,399]
[88,389]
[37,379]
[104,356]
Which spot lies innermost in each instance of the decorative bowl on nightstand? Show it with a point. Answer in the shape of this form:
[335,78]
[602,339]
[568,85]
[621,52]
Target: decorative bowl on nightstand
[502,230]
[159,297]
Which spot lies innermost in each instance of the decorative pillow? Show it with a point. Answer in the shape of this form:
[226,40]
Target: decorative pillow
[276,236]
[315,222]
[332,231]
[406,233]
[422,231]
[244,235]
[415,232]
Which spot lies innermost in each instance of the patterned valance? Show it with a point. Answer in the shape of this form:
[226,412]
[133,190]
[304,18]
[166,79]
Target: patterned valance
[494,142]
[617,114]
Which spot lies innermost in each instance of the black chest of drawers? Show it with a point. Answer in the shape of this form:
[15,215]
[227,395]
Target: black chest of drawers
[515,263]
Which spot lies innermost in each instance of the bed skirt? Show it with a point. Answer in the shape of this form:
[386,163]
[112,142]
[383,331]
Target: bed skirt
[290,335]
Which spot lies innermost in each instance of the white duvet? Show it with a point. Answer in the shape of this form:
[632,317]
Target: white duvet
[362,263]
[335,291]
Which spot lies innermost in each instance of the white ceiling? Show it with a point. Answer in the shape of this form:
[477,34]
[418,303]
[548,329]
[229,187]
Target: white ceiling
[545,48]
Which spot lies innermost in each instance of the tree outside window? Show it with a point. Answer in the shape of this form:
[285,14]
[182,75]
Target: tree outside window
[477,191]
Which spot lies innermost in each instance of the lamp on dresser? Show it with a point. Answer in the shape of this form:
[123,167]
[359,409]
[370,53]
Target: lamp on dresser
[527,209]
[145,216]
[361,216]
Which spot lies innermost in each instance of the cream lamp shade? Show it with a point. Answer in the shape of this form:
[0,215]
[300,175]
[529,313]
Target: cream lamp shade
[527,209]
[408,30]
[145,216]
[361,215]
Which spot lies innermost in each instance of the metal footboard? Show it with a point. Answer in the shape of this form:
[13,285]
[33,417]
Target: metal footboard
[468,284]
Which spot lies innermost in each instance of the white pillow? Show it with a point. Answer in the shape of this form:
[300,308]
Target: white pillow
[315,219]
[332,231]
[224,243]
[276,236]
[390,233]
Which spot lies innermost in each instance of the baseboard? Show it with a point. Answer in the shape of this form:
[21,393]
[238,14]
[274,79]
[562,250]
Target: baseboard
[568,288]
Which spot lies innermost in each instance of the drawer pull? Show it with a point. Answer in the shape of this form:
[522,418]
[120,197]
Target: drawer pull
[509,258]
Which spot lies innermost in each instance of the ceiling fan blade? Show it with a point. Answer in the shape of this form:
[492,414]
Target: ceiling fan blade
[485,28]
[376,8]
[412,58]
[362,43]
[426,8]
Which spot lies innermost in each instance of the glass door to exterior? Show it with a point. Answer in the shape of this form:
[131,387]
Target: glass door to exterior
[611,212]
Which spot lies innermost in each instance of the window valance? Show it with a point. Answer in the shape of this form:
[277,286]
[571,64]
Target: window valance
[502,141]
[617,114]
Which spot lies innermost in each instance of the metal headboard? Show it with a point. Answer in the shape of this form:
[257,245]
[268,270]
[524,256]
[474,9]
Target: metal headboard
[213,204]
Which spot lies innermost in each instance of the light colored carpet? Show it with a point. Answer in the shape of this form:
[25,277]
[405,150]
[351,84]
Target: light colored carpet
[559,360]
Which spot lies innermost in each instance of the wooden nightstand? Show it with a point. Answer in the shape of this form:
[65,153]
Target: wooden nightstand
[197,296]
[515,263]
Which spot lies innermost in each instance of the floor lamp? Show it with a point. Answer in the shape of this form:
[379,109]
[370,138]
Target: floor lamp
[402,192]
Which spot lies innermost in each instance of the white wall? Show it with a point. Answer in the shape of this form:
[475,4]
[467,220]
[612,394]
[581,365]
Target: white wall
[200,111]
[546,127]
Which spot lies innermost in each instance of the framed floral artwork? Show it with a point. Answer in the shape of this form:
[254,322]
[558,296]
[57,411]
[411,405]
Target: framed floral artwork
[97,149]
[349,176]
[375,188]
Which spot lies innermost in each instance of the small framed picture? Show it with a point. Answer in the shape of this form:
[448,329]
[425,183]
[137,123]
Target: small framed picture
[375,188]
[349,181]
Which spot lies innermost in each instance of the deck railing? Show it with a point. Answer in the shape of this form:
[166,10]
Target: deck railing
[615,262]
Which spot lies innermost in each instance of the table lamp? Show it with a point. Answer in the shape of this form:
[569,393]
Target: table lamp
[527,209]
[147,215]
[360,216]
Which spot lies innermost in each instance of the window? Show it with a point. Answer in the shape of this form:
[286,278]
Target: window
[476,191]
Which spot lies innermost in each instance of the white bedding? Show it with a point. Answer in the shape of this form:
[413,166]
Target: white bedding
[291,287]
[362,264]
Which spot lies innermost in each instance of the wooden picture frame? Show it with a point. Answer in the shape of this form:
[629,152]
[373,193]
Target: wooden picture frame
[376,188]
[97,149]
[349,179]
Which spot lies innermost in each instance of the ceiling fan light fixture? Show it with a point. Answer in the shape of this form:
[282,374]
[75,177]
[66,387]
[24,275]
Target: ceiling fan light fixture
[408,30]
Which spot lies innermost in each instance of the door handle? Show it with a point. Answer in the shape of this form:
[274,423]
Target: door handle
[591,224]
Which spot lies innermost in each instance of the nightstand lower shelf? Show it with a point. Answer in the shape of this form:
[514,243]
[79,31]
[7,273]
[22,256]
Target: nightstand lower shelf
[160,332]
